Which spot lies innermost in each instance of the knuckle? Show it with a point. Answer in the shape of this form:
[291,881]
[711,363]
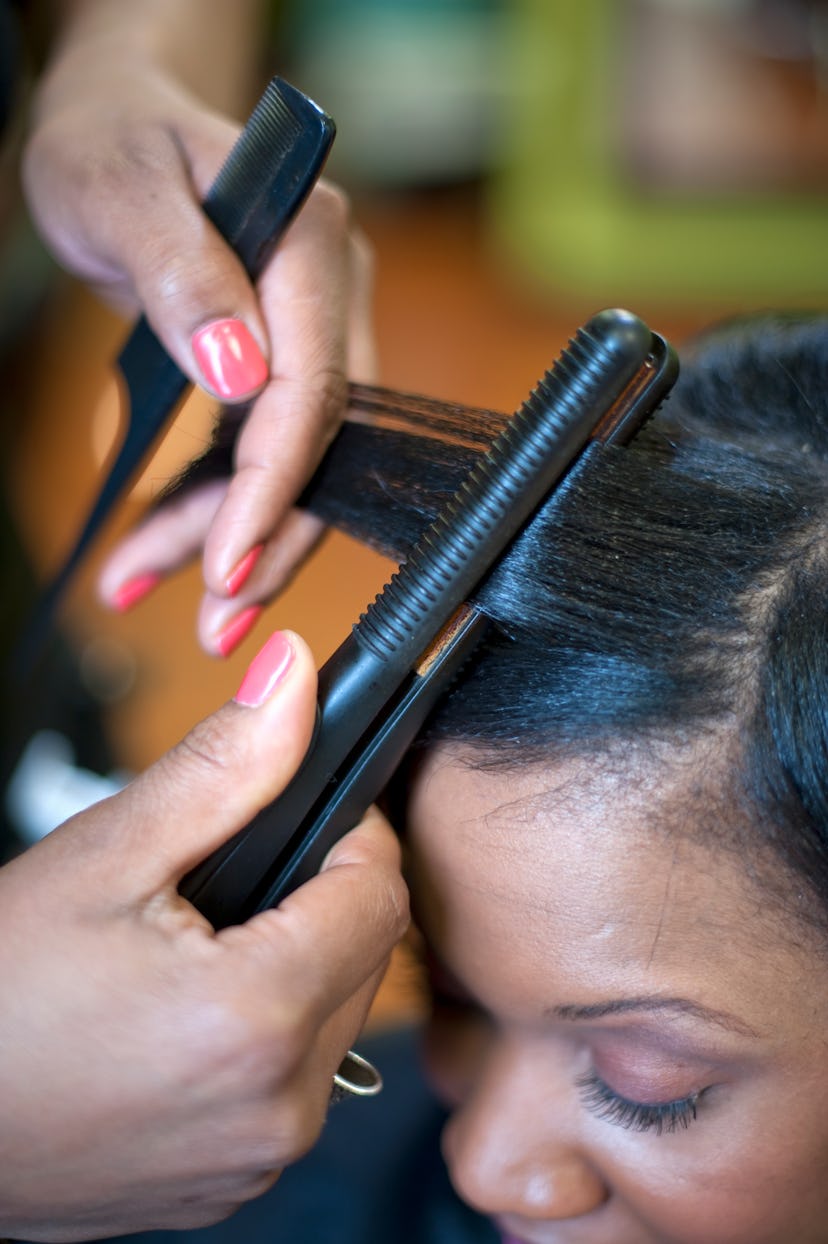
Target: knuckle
[130,164]
[319,399]
[330,389]
[371,859]
[380,895]
[124,164]
[188,285]
[391,907]
[174,285]
[207,753]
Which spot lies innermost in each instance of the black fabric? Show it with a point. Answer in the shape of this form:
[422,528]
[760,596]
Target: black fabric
[9,62]
[376,1175]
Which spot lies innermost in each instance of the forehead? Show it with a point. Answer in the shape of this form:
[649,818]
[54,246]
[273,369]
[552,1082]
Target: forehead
[580,884]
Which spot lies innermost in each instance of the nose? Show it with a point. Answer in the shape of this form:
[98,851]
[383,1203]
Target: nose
[510,1150]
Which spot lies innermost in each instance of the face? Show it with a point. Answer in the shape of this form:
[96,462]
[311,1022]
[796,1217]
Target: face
[631,1038]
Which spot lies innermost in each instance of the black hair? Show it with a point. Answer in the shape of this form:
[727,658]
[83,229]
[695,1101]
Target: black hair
[681,587]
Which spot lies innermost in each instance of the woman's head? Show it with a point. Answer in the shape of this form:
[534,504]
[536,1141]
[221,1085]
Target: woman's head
[617,822]
[629,1037]
[618,832]
[677,593]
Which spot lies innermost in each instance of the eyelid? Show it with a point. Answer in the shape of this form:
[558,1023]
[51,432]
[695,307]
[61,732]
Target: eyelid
[605,1103]
[698,1056]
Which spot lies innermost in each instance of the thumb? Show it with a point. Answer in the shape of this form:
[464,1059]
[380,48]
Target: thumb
[195,292]
[212,783]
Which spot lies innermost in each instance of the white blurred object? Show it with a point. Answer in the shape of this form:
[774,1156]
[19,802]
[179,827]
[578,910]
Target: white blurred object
[47,787]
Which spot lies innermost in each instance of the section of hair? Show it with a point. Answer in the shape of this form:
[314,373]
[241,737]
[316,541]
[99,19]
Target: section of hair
[679,586]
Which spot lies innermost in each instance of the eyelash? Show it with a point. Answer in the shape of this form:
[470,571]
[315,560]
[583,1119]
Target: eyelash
[599,1098]
[634,1115]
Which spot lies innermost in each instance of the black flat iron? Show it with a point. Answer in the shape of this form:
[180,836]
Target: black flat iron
[377,689]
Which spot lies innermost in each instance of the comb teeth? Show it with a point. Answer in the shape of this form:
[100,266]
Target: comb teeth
[535,449]
[269,135]
[277,157]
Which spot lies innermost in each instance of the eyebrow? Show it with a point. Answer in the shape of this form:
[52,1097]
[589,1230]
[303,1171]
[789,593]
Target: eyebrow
[652,1003]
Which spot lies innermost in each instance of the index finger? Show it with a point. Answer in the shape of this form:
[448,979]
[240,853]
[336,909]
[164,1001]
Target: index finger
[305,299]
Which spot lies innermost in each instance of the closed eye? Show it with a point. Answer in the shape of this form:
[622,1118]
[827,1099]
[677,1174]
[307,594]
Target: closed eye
[605,1103]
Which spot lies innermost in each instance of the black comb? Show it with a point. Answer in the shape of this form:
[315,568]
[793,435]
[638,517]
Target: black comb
[268,174]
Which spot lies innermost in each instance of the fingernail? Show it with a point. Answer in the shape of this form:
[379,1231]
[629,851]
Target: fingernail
[129,593]
[265,671]
[234,632]
[230,360]
[240,573]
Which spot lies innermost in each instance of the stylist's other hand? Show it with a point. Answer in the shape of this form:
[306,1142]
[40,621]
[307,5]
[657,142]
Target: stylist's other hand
[156,1073]
[119,157]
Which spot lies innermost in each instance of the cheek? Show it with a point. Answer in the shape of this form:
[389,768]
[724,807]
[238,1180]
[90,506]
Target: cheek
[738,1179]
[735,1176]
[455,1044]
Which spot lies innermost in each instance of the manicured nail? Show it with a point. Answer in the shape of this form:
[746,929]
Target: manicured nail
[240,573]
[129,593]
[230,360]
[265,671]
[236,629]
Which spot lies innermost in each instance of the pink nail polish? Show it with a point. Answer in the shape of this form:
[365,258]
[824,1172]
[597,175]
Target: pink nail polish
[230,360]
[129,593]
[241,572]
[234,632]
[265,671]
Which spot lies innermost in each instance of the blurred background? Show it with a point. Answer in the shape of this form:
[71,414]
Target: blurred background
[517,165]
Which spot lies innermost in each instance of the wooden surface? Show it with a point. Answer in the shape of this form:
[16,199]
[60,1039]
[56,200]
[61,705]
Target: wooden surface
[451,323]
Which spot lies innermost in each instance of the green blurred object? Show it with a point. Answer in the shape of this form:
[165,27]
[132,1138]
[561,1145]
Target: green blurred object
[570,209]
[415,85]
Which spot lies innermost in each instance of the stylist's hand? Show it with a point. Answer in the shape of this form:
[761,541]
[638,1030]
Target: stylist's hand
[119,158]
[155,1073]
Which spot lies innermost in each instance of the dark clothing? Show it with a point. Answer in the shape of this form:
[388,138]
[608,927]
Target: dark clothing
[376,1175]
[9,62]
